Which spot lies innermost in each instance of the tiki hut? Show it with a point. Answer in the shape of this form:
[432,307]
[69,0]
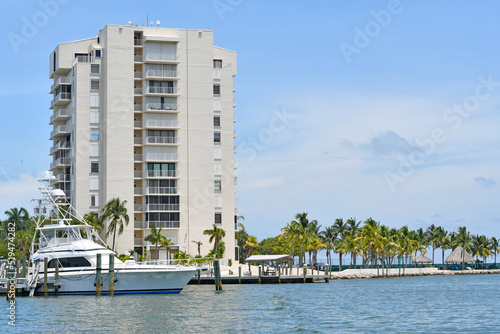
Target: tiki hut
[459,255]
[422,259]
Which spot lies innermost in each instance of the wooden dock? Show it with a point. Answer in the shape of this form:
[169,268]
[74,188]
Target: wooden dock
[263,279]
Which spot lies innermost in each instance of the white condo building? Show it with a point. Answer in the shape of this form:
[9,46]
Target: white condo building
[146,114]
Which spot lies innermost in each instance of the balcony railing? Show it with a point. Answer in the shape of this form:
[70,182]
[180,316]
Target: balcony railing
[137,91]
[137,141]
[158,123]
[137,191]
[235,133]
[162,207]
[63,97]
[140,224]
[162,106]
[138,75]
[162,90]
[137,157]
[137,124]
[62,178]
[163,173]
[137,173]
[60,145]
[138,41]
[161,57]
[161,190]
[137,107]
[138,207]
[162,157]
[60,162]
[162,140]
[167,224]
[138,58]
[63,113]
[82,59]
[60,80]
[60,129]
[162,74]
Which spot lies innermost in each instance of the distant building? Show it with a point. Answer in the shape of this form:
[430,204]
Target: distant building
[146,114]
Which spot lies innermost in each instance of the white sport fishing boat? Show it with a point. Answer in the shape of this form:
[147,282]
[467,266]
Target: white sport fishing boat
[73,245]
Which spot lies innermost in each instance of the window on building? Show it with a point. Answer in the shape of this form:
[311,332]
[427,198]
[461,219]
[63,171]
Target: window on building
[94,84]
[217,185]
[95,101]
[94,167]
[94,200]
[94,134]
[217,63]
[94,68]
[218,218]
[217,121]
[94,184]
[95,117]
[98,53]
[94,150]
[216,137]
[216,89]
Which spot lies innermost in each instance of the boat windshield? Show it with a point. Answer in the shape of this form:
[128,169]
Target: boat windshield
[58,235]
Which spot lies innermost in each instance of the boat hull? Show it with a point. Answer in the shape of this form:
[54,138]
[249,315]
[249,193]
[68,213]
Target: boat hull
[126,282]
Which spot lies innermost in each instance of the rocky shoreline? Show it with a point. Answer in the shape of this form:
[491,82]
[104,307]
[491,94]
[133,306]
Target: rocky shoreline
[408,272]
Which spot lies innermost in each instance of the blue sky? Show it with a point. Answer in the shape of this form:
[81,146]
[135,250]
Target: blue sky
[382,109]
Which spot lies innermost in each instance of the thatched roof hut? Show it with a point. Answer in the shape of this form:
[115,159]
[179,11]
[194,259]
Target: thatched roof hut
[422,259]
[458,255]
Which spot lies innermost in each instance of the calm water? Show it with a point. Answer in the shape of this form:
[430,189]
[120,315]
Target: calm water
[418,304]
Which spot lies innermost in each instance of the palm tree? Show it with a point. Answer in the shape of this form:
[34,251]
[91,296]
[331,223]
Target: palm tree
[495,248]
[19,216]
[442,240]
[340,229]
[96,222]
[251,244]
[463,239]
[305,228]
[198,243]
[291,232]
[116,212]
[329,236]
[431,233]
[155,237]
[353,229]
[167,243]
[216,234]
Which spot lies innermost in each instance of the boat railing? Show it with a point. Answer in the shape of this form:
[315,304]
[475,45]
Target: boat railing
[198,263]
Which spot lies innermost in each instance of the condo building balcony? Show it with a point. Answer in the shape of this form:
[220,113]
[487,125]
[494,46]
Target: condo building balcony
[162,157]
[59,130]
[172,107]
[153,90]
[162,140]
[161,58]
[138,58]
[60,115]
[62,178]
[60,162]
[60,99]
[163,174]
[162,207]
[61,145]
[162,124]
[159,74]
[161,190]
[60,81]
[166,224]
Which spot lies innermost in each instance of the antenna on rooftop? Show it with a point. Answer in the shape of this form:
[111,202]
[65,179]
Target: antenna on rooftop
[158,22]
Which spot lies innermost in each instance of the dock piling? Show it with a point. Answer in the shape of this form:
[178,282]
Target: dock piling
[305,273]
[45,267]
[111,274]
[98,275]
[56,280]
[239,274]
[217,276]
[260,273]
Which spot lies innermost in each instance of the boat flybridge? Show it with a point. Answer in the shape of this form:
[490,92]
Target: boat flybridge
[70,244]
